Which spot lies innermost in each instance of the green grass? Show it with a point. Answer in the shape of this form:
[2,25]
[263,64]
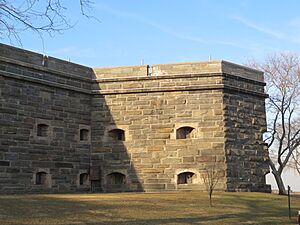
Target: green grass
[147,208]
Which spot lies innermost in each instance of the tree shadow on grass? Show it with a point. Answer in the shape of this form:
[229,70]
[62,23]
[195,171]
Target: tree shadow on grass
[143,209]
[184,220]
[265,210]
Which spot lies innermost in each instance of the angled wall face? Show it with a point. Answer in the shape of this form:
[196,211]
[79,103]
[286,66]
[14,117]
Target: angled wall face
[152,110]
[69,128]
[43,106]
[245,123]
[220,104]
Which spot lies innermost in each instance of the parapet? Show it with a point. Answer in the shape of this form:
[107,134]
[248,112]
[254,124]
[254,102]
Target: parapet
[242,71]
[180,69]
[21,55]
[36,68]
[187,68]
[38,61]
[121,71]
[32,59]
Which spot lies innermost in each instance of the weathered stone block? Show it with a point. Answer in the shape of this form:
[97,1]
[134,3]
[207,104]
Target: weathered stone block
[4,163]
[63,165]
[154,186]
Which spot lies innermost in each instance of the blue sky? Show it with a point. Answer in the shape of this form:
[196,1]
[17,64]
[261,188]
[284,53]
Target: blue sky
[167,31]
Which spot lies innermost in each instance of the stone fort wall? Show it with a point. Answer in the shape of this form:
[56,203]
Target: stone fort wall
[35,90]
[136,128]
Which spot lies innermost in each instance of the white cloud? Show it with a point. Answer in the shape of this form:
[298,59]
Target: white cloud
[169,30]
[241,44]
[150,23]
[259,27]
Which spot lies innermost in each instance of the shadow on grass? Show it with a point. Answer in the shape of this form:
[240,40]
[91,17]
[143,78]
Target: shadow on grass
[150,209]
[184,220]
[265,208]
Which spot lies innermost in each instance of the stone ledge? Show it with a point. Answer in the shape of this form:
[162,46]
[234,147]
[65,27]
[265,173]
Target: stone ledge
[246,91]
[179,88]
[176,76]
[159,89]
[158,77]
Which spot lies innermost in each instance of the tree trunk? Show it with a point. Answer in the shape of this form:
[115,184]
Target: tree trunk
[280,184]
[210,197]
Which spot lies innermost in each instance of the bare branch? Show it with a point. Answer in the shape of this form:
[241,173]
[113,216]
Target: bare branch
[211,177]
[38,16]
[282,75]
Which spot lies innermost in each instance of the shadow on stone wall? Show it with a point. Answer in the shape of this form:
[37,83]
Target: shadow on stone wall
[37,89]
[112,169]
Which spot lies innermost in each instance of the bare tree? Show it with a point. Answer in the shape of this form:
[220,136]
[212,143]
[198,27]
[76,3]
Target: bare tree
[211,178]
[39,16]
[282,75]
[295,164]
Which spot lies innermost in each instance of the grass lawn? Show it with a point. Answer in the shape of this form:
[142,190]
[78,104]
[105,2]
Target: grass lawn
[147,208]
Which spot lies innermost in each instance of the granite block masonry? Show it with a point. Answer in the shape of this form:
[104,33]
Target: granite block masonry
[68,128]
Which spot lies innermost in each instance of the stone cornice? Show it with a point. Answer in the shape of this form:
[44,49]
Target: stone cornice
[135,90]
[176,76]
[244,79]
[159,89]
[160,77]
[180,88]
[124,79]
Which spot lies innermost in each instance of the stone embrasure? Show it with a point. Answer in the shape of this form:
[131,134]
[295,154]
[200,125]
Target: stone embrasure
[69,128]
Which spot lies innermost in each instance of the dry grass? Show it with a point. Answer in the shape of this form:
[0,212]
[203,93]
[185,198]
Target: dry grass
[141,208]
